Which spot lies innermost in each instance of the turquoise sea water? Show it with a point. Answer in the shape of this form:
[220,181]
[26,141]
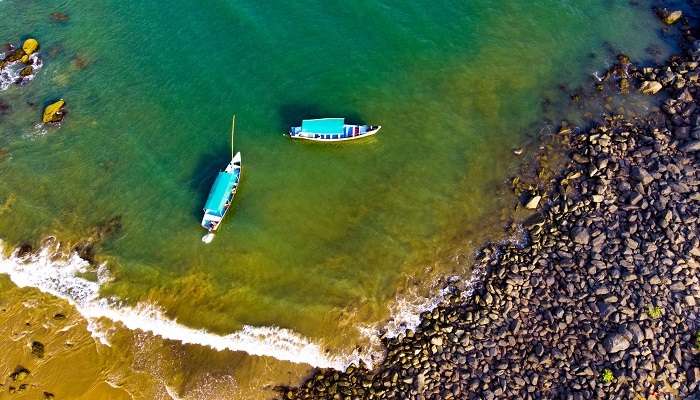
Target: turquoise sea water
[321,238]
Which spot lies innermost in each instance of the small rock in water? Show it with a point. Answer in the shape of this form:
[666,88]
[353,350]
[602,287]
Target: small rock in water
[54,112]
[26,71]
[671,17]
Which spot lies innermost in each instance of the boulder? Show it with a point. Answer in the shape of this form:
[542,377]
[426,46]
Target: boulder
[533,203]
[615,343]
[30,46]
[691,146]
[650,87]
[580,235]
[54,112]
[641,175]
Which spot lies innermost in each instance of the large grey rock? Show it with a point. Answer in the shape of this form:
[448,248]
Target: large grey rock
[650,87]
[616,342]
[580,235]
[642,175]
[691,146]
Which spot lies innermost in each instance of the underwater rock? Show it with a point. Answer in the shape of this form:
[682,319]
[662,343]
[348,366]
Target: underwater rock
[59,17]
[54,112]
[650,87]
[86,248]
[4,107]
[80,62]
[38,349]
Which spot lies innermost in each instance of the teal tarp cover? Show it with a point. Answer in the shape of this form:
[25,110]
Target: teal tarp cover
[325,125]
[220,192]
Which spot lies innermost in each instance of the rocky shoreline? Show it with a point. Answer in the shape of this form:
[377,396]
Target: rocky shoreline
[603,300]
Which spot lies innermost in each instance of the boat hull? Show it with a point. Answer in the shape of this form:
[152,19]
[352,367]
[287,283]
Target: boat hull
[322,138]
[212,222]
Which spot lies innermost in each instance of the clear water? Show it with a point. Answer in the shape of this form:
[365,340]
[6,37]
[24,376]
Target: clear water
[321,238]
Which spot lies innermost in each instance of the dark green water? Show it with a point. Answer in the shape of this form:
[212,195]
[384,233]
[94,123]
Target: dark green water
[321,237]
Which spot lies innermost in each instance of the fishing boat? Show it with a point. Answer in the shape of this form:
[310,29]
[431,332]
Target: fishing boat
[331,130]
[222,193]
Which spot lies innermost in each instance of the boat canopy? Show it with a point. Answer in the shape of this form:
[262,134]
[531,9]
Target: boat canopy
[220,192]
[323,125]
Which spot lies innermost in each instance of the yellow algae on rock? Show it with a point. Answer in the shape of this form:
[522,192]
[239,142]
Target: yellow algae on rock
[30,46]
[54,112]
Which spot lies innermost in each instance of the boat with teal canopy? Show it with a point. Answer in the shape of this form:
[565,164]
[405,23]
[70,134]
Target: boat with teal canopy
[331,130]
[222,193]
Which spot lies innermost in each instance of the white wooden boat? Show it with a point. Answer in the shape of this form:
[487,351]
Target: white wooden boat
[331,130]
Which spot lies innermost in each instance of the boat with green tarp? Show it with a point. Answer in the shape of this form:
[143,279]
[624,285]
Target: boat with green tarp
[331,130]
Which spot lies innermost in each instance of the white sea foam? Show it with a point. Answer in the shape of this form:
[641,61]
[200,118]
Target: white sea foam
[62,278]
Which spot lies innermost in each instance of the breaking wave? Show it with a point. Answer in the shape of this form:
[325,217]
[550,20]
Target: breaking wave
[62,278]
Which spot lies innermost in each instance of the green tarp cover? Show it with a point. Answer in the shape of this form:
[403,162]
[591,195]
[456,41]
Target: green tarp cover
[325,125]
[220,192]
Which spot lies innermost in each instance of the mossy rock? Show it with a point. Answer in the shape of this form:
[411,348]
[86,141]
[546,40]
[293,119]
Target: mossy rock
[54,112]
[30,46]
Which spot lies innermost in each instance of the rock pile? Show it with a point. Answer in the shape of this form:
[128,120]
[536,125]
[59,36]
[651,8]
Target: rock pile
[17,65]
[603,301]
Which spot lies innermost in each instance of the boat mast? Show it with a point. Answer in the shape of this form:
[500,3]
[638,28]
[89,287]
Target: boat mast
[233,127]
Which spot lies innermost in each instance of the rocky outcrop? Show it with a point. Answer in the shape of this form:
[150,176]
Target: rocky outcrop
[18,65]
[602,301]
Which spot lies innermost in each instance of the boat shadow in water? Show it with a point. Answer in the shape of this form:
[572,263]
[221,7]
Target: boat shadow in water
[293,114]
[203,178]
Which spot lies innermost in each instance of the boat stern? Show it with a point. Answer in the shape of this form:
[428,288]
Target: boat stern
[210,222]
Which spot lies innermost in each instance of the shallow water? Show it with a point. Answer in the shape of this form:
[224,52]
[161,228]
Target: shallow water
[322,238]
